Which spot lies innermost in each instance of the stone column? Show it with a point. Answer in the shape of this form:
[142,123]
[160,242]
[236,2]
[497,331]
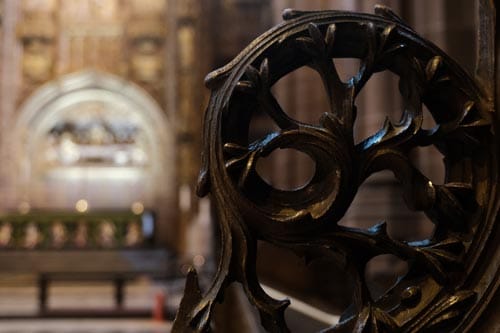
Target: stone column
[10,85]
[191,60]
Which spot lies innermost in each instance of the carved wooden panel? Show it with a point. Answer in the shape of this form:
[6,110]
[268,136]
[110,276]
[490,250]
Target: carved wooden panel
[37,33]
[125,38]
[447,285]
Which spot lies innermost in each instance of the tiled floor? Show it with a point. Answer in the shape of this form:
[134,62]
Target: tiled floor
[83,326]
[18,296]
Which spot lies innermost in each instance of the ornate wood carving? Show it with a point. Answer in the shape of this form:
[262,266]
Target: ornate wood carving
[446,283]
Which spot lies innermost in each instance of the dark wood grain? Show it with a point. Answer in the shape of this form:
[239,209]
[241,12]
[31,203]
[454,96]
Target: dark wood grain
[453,274]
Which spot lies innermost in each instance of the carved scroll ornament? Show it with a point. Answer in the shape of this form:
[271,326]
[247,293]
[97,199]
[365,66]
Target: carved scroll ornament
[445,284]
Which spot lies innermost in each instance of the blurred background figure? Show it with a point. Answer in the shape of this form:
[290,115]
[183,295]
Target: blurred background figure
[5,234]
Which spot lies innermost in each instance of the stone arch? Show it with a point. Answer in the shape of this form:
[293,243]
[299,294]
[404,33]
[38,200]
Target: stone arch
[75,95]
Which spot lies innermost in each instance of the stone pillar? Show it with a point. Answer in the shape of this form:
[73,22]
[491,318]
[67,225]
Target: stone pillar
[145,33]
[191,66]
[10,85]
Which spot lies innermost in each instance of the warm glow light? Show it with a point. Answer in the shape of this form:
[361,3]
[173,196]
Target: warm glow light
[24,207]
[137,208]
[82,205]
[198,260]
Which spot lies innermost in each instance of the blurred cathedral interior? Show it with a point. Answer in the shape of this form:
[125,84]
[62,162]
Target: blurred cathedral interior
[101,109]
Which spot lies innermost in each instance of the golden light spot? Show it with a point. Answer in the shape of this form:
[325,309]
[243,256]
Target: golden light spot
[82,206]
[24,207]
[137,208]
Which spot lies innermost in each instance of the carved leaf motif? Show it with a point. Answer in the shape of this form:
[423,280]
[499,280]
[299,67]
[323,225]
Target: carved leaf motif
[388,13]
[448,310]
[373,320]
[330,39]
[443,257]
[187,315]
[432,68]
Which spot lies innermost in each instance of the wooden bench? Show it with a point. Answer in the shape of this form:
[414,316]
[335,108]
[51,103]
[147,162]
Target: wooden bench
[117,266]
[117,246]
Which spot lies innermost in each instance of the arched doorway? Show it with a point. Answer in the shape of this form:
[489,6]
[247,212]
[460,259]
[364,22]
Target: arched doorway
[96,139]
